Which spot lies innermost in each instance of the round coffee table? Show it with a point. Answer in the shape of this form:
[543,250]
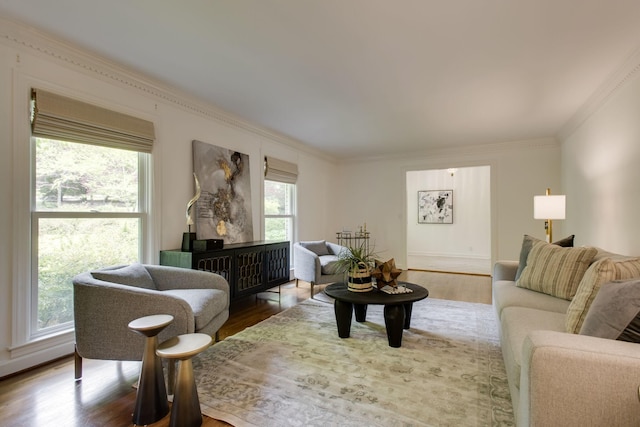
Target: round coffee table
[397,308]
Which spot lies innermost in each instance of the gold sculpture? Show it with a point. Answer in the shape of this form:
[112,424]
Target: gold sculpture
[192,202]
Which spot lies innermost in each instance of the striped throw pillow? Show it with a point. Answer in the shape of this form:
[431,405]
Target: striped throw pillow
[554,270]
[602,271]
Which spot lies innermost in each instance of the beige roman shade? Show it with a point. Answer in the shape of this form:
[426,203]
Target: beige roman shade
[279,170]
[58,117]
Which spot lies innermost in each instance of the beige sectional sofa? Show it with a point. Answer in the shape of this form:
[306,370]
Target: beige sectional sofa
[558,378]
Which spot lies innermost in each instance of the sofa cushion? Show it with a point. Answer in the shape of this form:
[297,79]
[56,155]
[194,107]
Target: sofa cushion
[318,247]
[329,264]
[615,312]
[555,270]
[205,303]
[602,271]
[130,275]
[527,244]
[515,324]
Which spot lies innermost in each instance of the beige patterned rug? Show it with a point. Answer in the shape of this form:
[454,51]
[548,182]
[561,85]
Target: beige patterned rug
[293,370]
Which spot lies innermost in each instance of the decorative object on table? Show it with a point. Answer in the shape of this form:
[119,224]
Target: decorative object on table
[224,209]
[189,237]
[207,245]
[397,290]
[435,207]
[549,207]
[357,262]
[386,273]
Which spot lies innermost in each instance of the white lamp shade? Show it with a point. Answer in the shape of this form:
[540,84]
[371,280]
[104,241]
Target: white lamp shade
[549,207]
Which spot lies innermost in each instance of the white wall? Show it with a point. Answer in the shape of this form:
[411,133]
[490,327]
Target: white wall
[373,191]
[601,173]
[30,59]
[463,246]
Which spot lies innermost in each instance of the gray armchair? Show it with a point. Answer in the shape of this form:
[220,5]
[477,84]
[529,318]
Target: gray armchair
[105,301]
[315,262]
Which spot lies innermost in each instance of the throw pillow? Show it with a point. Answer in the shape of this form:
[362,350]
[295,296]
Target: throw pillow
[527,244]
[615,312]
[131,275]
[555,270]
[318,247]
[602,271]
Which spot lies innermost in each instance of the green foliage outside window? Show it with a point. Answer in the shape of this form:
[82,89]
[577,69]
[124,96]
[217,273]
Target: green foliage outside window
[76,186]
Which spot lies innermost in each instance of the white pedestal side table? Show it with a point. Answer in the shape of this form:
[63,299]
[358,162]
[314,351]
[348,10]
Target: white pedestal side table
[185,411]
[151,399]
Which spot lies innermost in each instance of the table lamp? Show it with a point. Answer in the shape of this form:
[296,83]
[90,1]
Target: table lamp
[549,207]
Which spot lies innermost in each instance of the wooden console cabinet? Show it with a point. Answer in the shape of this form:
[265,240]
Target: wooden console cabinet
[249,267]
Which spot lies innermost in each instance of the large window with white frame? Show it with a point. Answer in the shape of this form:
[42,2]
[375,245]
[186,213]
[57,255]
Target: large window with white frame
[89,201]
[88,210]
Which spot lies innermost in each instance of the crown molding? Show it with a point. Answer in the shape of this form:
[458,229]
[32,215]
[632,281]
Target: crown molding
[617,80]
[458,153]
[14,33]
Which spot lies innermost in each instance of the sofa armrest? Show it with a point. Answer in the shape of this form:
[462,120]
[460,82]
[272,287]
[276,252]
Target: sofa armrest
[577,380]
[335,248]
[166,278]
[103,310]
[505,270]
[306,264]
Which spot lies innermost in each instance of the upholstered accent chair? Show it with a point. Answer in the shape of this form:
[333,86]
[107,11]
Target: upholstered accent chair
[106,300]
[316,262]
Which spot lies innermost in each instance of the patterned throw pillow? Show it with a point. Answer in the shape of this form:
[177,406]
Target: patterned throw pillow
[602,271]
[555,270]
[615,312]
[527,244]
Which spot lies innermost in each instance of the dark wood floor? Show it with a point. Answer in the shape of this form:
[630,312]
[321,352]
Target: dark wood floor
[48,395]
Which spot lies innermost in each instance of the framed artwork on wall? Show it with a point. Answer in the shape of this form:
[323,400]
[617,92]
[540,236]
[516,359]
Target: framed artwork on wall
[435,207]
[223,210]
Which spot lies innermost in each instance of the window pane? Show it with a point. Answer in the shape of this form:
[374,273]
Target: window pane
[75,177]
[70,246]
[278,198]
[277,228]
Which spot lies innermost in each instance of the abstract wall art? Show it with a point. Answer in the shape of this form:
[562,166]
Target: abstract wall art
[435,207]
[223,210]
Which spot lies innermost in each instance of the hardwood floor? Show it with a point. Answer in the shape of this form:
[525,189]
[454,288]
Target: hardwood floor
[48,395]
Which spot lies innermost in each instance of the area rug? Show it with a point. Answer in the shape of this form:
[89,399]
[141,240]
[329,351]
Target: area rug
[293,370]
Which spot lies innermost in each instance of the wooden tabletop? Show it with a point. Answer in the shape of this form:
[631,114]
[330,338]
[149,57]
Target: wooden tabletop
[340,292]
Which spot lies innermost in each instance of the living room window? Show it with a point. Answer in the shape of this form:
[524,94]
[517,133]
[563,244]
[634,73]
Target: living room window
[89,199]
[279,199]
[279,212]
[88,211]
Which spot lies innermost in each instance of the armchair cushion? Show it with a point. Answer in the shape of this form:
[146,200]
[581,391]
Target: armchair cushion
[329,264]
[132,275]
[318,247]
[205,303]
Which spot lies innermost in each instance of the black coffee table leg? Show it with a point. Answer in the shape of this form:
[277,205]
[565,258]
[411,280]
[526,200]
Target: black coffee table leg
[361,312]
[344,312]
[394,319]
[407,315]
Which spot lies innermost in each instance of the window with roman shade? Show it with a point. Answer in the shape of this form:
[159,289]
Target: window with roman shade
[280,170]
[58,117]
[90,193]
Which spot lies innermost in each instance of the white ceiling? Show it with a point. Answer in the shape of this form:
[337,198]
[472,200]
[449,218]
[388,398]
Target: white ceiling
[365,76]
